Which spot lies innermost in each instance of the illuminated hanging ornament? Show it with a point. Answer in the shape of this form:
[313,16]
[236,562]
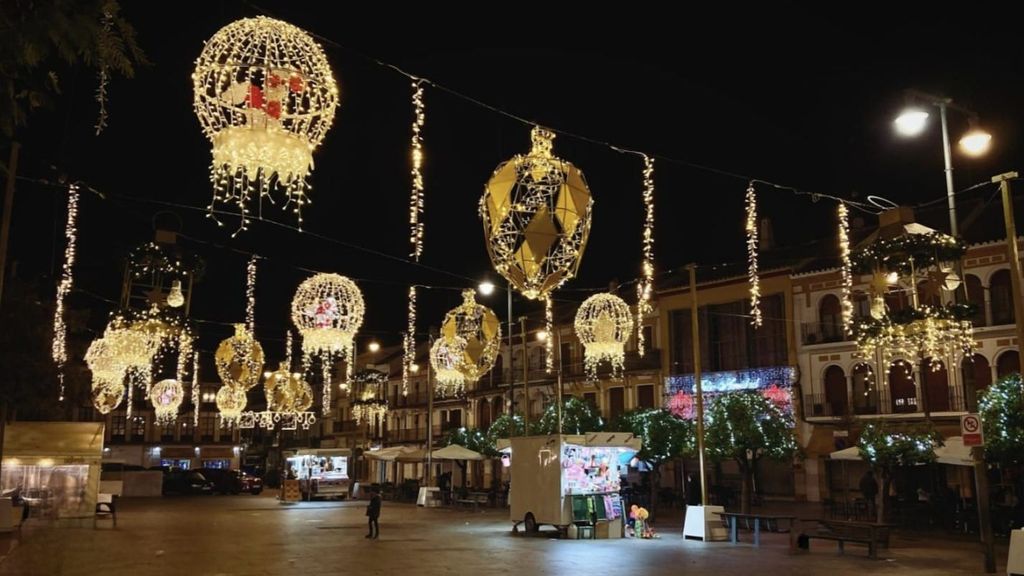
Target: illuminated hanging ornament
[175,298]
[231,401]
[328,310]
[752,268]
[106,398]
[845,268]
[646,284]
[287,391]
[239,360]
[479,327]
[536,211]
[166,396]
[446,358]
[59,351]
[369,405]
[104,365]
[265,97]
[603,324]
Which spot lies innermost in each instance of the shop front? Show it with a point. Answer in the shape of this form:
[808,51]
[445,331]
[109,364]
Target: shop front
[322,473]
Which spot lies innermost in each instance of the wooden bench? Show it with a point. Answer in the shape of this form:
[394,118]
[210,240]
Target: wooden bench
[473,499]
[872,534]
[106,506]
[732,521]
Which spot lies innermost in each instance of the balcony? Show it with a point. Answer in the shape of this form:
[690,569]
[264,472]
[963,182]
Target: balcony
[812,333]
[880,402]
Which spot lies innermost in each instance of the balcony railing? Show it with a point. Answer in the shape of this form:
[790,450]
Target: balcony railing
[821,333]
[876,402]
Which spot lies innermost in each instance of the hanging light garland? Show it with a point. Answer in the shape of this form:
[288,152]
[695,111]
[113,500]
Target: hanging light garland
[166,396]
[646,284]
[846,269]
[265,97]
[416,199]
[549,342]
[446,358]
[409,342]
[250,295]
[603,324]
[536,211]
[288,346]
[195,389]
[325,400]
[59,350]
[755,281]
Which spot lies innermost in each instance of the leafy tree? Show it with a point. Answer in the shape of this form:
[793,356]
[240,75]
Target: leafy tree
[746,426]
[1002,418]
[663,438]
[885,449]
[578,417]
[506,426]
[39,39]
[472,438]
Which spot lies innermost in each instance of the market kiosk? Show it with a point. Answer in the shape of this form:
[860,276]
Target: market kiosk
[570,480]
[322,473]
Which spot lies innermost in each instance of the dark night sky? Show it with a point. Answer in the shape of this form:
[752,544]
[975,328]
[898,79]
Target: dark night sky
[794,96]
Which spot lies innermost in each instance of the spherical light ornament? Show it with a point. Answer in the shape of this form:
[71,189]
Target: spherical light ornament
[166,396]
[265,97]
[287,392]
[231,401]
[328,310]
[446,358]
[536,212]
[603,324]
[107,398]
[106,370]
[479,327]
[239,360]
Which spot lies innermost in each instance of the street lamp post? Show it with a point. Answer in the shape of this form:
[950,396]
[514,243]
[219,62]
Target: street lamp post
[542,336]
[975,142]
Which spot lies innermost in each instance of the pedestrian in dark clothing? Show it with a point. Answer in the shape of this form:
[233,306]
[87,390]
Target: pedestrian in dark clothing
[869,489]
[373,513]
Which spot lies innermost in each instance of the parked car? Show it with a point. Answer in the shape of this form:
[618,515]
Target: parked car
[251,484]
[227,481]
[186,482]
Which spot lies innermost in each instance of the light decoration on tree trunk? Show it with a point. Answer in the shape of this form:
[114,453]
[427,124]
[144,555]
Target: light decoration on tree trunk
[603,325]
[265,97]
[479,327]
[755,281]
[59,350]
[166,397]
[536,211]
[447,356]
[646,284]
[845,268]
[416,199]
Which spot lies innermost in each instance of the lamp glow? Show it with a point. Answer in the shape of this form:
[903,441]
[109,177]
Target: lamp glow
[374,346]
[976,142]
[911,122]
[486,288]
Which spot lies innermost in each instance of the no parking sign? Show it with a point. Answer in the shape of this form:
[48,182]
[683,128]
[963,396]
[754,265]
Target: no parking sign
[970,430]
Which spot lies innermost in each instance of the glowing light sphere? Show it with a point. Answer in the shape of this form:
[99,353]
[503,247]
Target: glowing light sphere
[603,324]
[265,97]
[231,401]
[478,325]
[328,310]
[446,358]
[239,360]
[166,396]
[107,398]
[106,370]
[536,211]
[286,391]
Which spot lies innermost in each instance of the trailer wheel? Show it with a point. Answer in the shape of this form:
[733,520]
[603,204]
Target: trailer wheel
[530,523]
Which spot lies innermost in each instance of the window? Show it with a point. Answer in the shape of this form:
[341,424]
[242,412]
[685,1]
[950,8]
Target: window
[830,319]
[591,398]
[187,429]
[167,432]
[976,297]
[648,332]
[207,424]
[936,382]
[865,397]
[1001,291]
[616,402]
[139,427]
[483,411]
[118,424]
[861,305]
[454,419]
[902,388]
[977,376]
[645,396]
[835,390]
[1008,363]
[565,357]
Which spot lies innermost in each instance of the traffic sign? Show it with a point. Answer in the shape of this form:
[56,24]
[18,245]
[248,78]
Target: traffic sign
[970,430]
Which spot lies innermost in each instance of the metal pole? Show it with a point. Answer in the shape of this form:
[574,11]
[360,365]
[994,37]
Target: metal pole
[984,522]
[948,157]
[511,372]
[5,230]
[1014,253]
[526,379]
[430,419]
[558,378]
[698,391]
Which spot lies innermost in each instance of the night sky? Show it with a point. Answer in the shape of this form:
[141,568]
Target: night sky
[791,96]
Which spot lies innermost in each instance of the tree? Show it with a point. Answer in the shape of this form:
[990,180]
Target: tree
[663,438]
[506,426]
[578,417]
[40,38]
[1002,418]
[473,439]
[885,449]
[746,426]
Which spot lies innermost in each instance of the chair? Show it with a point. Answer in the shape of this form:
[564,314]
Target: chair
[106,505]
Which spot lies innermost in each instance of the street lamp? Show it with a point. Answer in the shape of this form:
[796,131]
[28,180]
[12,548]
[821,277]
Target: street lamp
[913,120]
[542,336]
[486,288]
[373,347]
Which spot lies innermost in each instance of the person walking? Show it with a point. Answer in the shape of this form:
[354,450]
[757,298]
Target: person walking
[373,514]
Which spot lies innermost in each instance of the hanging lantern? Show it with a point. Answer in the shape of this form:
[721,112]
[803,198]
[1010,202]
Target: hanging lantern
[107,398]
[446,358]
[328,311]
[231,401]
[536,212]
[265,97]
[287,392]
[478,325]
[603,324]
[166,396]
[369,404]
[175,298]
[239,360]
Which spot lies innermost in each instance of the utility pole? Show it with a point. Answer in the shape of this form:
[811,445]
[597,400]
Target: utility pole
[1013,252]
[698,391]
[526,379]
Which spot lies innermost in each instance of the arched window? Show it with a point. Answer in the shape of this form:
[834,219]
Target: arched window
[901,387]
[1001,290]
[835,390]
[936,381]
[497,407]
[976,297]
[1008,363]
[865,394]
[861,305]
[977,375]
[483,411]
[830,318]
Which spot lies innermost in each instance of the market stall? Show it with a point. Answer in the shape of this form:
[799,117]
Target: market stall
[54,467]
[566,480]
[322,473]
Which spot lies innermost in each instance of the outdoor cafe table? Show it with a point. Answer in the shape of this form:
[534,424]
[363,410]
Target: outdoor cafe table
[734,517]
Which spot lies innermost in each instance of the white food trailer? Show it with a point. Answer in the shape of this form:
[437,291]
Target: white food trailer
[563,480]
[322,472]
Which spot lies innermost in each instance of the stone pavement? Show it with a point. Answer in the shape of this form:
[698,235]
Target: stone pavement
[257,535]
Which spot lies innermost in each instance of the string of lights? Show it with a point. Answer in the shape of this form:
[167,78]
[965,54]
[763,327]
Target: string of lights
[549,346]
[195,389]
[755,281]
[250,295]
[416,198]
[845,267]
[60,329]
[409,342]
[646,284]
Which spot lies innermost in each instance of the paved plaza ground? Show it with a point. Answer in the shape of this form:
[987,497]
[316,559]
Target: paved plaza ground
[257,535]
